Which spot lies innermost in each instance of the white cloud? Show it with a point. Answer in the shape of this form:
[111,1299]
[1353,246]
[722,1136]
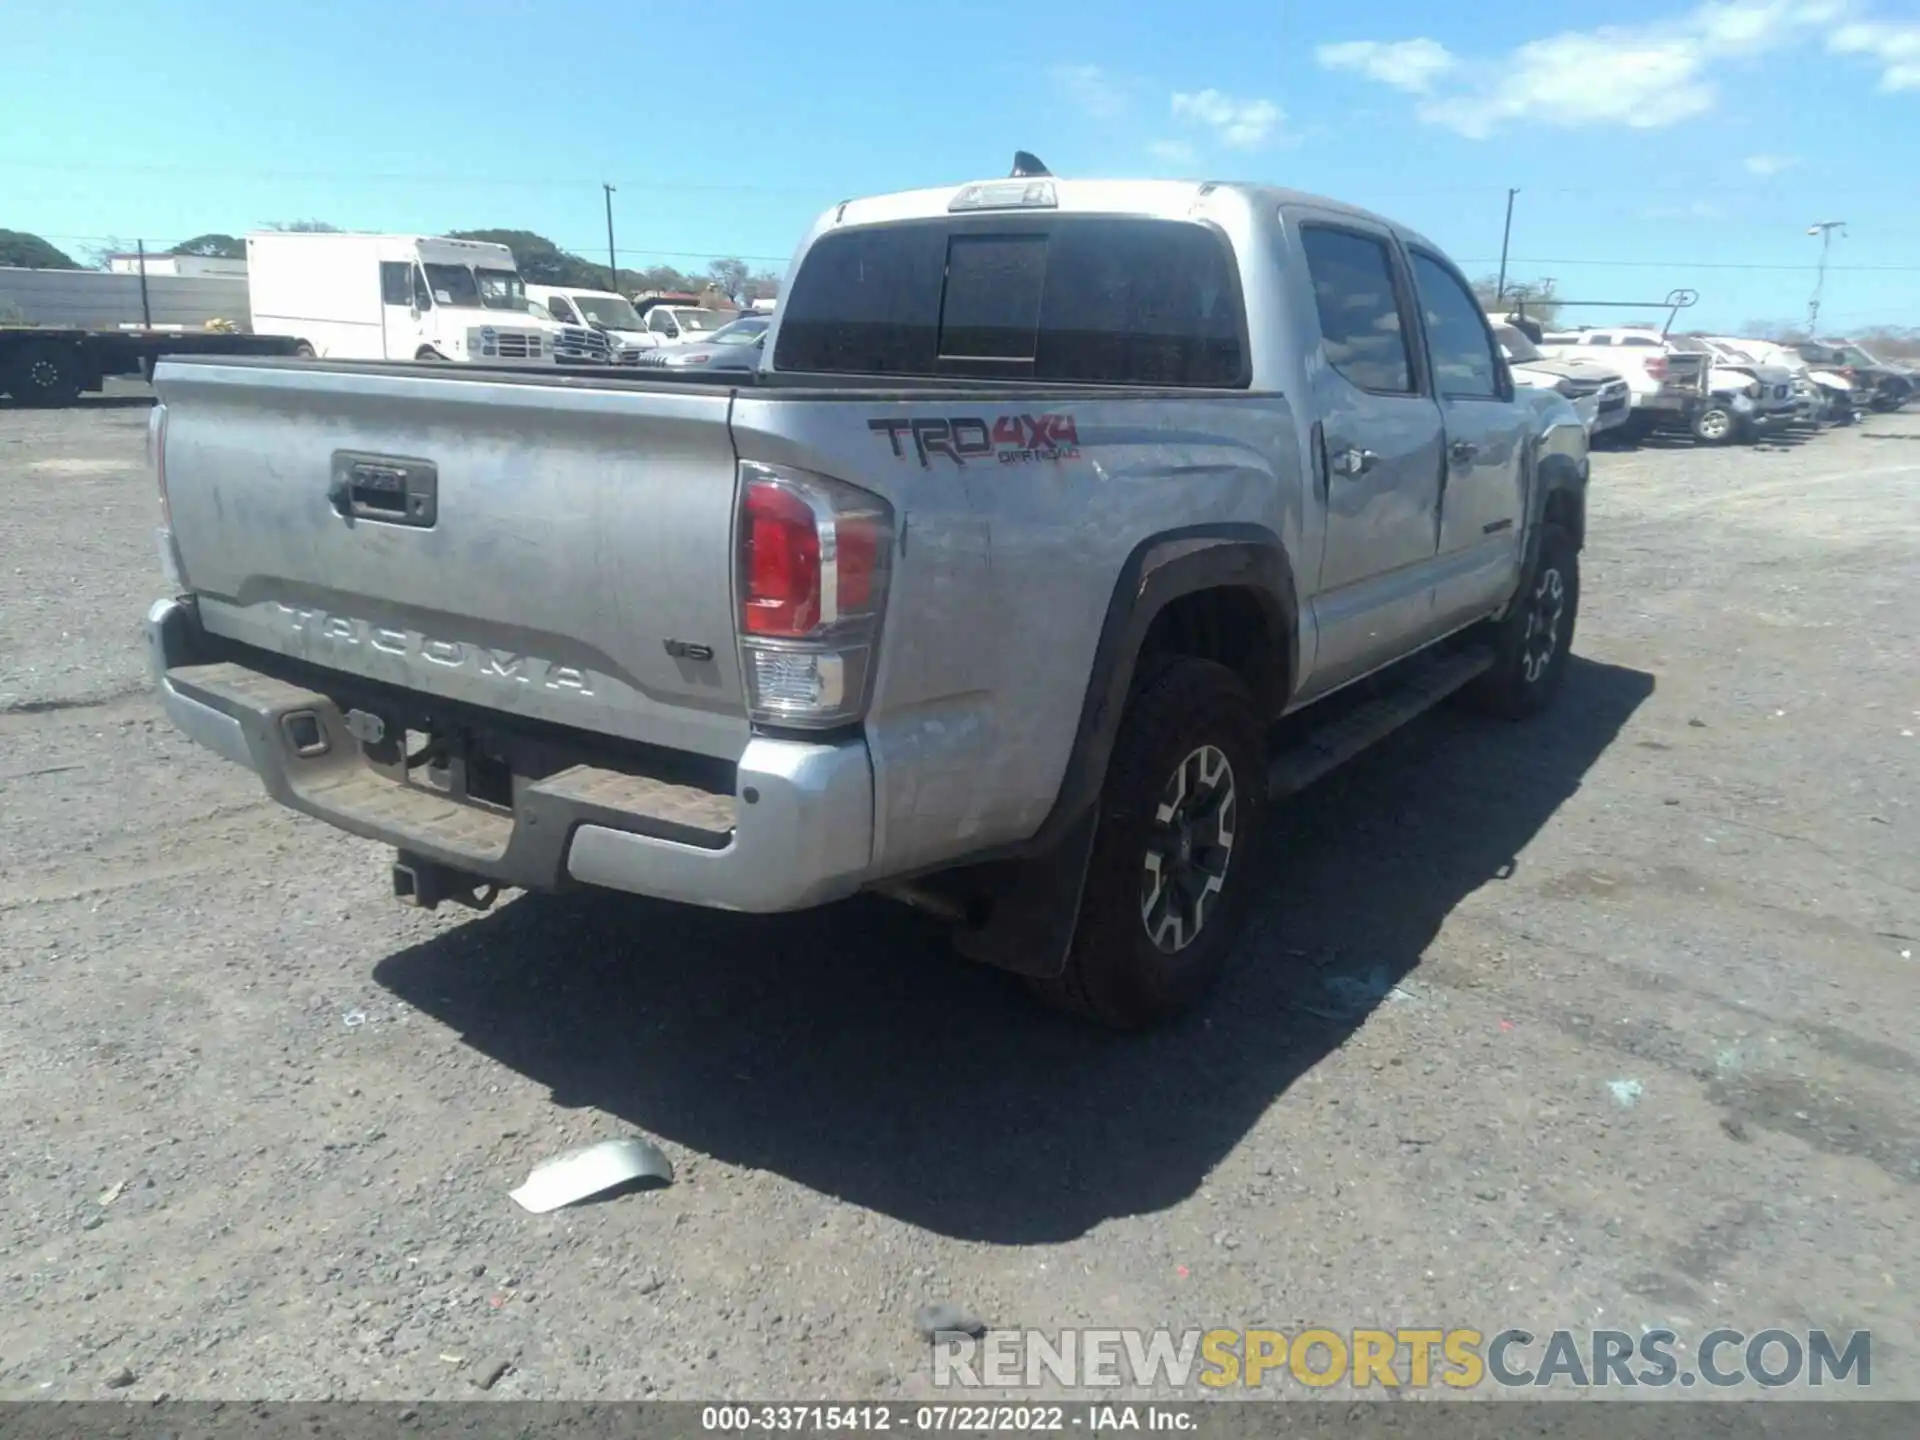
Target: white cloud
[1770,164]
[1694,210]
[1101,95]
[1896,48]
[1172,152]
[1404,64]
[1643,77]
[1240,124]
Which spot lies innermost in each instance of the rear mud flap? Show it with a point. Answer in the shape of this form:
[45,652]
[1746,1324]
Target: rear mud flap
[1034,906]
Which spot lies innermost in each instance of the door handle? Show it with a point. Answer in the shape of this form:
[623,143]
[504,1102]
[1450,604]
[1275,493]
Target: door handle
[1352,463]
[1464,452]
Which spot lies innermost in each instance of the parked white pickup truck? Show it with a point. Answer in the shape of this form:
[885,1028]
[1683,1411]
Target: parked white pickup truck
[1599,396]
[601,311]
[1673,388]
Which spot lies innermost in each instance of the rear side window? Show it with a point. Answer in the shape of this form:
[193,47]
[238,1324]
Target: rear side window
[1071,300]
[396,283]
[1353,291]
[1463,361]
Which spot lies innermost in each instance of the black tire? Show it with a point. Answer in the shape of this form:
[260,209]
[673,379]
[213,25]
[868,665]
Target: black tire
[428,353]
[44,375]
[1715,423]
[1186,721]
[303,351]
[1840,411]
[1528,669]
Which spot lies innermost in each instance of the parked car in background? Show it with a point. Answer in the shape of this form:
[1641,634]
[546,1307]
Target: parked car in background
[667,322]
[1880,385]
[394,297]
[1599,396]
[601,311]
[737,345]
[1825,396]
[1670,390]
[1775,403]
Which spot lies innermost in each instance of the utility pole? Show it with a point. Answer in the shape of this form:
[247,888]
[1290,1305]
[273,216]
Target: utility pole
[1506,234]
[1825,231]
[613,266]
[146,310]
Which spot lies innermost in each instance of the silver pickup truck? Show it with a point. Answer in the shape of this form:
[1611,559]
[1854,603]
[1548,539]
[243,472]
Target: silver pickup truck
[985,592]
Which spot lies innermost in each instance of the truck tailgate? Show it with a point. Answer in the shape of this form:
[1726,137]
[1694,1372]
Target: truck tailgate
[529,547]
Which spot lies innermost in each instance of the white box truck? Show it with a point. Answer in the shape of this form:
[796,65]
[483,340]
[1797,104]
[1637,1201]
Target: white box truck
[395,297]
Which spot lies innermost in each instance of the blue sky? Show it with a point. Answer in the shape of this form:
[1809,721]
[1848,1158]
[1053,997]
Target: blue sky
[1683,145]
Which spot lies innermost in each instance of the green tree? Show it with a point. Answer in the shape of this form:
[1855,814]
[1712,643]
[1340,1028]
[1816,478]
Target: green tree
[539,260]
[664,277]
[214,246]
[19,248]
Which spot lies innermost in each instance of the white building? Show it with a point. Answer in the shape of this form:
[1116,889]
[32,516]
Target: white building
[194,267]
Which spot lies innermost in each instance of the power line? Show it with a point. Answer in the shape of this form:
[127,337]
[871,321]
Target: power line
[390,177]
[162,246]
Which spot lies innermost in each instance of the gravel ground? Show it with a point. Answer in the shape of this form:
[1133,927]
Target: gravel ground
[1602,1020]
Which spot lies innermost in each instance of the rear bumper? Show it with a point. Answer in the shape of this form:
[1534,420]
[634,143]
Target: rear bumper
[796,831]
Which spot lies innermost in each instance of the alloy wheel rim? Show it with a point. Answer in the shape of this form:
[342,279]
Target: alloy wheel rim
[1544,612]
[1189,849]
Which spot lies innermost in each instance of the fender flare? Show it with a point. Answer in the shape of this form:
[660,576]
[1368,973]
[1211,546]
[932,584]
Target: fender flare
[1036,887]
[1160,570]
[1557,475]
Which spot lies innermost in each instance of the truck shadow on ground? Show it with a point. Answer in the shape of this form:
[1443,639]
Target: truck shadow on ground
[844,1049]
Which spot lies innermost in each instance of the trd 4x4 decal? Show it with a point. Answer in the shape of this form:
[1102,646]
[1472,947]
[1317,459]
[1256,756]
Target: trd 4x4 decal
[1009,439]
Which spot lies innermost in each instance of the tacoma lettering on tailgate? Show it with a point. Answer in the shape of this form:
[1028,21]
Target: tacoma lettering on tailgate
[323,630]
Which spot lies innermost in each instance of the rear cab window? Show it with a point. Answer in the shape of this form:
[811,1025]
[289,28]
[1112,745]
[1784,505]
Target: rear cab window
[1068,299]
[1363,331]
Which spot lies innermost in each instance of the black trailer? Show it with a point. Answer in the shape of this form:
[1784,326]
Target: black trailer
[47,365]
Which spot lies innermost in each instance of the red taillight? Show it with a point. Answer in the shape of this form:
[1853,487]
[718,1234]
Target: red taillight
[812,581]
[1657,366]
[781,542]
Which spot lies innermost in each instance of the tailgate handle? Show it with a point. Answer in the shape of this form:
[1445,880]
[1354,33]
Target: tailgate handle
[386,488]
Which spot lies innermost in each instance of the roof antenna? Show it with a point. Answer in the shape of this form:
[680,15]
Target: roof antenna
[1026,165]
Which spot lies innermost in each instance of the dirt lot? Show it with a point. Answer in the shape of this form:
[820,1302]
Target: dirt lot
[1602,1020]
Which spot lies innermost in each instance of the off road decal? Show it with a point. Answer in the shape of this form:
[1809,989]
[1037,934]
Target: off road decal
[1007,439]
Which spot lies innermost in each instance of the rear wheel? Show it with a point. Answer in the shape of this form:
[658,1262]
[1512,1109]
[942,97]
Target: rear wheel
[45,375]
[427,352]
[1534,639]
[303,351]
[1173,858]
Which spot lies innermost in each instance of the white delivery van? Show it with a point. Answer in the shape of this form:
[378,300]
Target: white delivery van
[395,297]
